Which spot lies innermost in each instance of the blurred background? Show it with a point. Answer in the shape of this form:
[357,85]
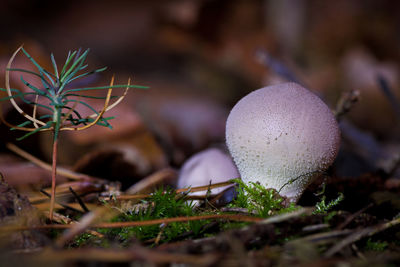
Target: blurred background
[199,58]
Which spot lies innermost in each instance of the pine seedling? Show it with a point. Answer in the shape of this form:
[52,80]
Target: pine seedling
[61,100]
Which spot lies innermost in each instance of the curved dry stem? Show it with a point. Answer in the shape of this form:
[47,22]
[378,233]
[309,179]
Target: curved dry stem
[107,101]
[82,225]
[34,111]
[10,94]
[118,100]
[27,129]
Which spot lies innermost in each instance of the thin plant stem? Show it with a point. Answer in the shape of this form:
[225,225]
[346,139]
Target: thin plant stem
[110,225]
[53,178]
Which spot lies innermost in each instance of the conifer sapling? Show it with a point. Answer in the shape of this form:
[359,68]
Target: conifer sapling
[56,96]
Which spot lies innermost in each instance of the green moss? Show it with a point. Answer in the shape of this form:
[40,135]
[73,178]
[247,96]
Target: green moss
[168,204]
[322,207]
[88,239]
[286,239]
[376,245]
[160,205]
[260,200]
[233,225]
[82,240]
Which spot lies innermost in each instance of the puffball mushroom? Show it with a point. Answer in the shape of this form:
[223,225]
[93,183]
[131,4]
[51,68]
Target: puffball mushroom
[282,136]
[211,165]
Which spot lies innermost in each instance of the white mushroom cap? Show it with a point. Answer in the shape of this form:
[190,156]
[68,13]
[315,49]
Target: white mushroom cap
[211,165]
[282,136]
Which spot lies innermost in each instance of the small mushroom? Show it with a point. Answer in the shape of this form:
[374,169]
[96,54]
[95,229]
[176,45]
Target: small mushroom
[209,166]
[282,136]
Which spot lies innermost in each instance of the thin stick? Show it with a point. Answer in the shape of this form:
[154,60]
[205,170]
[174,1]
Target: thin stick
[101,213]
[353,216]
[231,217]
[157,177]
[346,102]
[366,232]
[112,255]
[61,171]
[263,57]
[388,92]
[151,180]
[61,204]
[204,187]
[324,237]
[78,198]
[83,187]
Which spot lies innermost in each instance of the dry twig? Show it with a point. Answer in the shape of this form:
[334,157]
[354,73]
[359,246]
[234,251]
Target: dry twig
[135,253]
[60,171]
[366,232]
[346,103]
